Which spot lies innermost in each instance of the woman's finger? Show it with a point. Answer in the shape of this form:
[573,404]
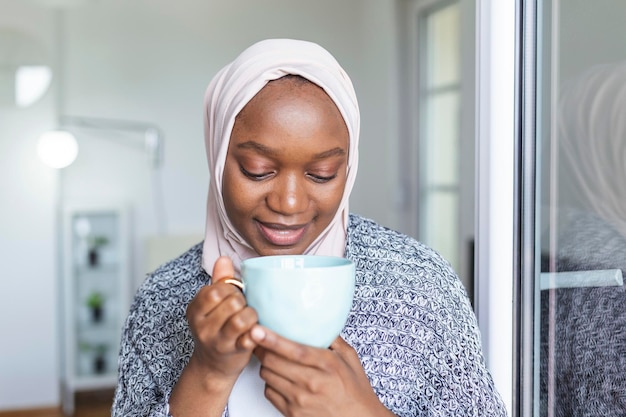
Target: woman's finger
[276,399]
[274,365]
[346,352]
[240,322]
[222,269]
[208,299]
[277,381]
[291,351]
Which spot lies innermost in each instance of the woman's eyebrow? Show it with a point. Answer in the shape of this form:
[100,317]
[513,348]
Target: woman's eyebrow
[266,150]
[330,153]
[255,146]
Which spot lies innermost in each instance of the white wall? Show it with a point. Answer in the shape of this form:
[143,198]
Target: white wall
[150,60]
[28,328]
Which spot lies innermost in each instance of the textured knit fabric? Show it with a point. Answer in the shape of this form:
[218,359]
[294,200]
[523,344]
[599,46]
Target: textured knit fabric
[583,330]
[411,324]
[589,352]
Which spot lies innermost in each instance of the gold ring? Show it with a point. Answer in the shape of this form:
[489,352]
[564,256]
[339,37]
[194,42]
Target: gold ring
[235,282]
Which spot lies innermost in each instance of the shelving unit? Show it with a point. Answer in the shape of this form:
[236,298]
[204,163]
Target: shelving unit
[96,286]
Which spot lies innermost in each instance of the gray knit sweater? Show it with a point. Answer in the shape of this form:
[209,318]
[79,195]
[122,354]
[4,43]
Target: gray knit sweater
[411,324]
[583,330]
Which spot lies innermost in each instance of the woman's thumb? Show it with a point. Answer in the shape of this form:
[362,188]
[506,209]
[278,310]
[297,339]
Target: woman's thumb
[222,269]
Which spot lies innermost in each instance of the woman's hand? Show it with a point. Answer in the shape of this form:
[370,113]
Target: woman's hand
[303,381]
[220,322]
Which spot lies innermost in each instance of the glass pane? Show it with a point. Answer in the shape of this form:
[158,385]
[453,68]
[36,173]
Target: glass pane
[439,142]
[440,157]
[440,225]
[442,32]
[582,140]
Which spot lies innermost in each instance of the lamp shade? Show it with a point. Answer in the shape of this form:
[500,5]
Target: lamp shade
[57,148]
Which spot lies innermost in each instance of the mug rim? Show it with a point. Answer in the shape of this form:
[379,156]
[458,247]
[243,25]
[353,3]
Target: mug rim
[265,262]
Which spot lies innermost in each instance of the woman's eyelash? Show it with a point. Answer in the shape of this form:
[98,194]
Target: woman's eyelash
[256,177]
[322,179]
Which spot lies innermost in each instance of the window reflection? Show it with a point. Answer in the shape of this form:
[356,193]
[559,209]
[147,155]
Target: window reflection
[582,356]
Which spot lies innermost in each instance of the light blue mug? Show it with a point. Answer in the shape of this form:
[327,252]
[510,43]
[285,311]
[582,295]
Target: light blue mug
[304,298]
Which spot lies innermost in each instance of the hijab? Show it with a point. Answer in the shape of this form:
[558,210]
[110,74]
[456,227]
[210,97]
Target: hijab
[229,91]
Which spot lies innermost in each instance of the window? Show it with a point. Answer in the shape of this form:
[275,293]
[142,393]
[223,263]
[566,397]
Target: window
[573,232]
[439,133]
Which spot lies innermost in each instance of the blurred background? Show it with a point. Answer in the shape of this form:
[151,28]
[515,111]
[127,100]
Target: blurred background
[126,79]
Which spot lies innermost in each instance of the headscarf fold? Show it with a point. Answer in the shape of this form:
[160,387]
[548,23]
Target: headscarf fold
[229,91]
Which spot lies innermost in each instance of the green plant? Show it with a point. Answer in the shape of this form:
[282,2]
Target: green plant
[97,348]
[98,353]
[97,241]
[101,348]
[84,346]
[95,300]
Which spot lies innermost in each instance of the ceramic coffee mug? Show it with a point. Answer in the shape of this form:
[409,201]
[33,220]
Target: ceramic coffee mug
[304,298]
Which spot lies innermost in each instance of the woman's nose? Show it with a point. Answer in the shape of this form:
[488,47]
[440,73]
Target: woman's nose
[288,196]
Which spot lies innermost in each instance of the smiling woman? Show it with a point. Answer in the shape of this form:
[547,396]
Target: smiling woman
[281,197]
[281,130]
[99,72]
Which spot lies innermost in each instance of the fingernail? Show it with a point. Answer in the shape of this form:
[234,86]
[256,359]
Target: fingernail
[257,333]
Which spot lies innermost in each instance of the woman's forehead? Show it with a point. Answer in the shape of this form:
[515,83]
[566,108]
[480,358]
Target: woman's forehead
[295,90]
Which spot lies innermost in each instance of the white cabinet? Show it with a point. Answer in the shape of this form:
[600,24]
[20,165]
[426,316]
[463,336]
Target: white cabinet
[95,295]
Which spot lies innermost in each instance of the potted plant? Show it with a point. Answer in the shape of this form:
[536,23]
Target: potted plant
[99,362]
[95,243]
[95,302]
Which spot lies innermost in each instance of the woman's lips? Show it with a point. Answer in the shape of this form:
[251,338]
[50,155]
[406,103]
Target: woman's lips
[281,235]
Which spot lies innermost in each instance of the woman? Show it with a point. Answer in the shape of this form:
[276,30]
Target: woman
[281,130]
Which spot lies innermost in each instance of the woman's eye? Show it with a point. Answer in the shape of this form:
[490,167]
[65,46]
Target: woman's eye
[321,178]
[255,176]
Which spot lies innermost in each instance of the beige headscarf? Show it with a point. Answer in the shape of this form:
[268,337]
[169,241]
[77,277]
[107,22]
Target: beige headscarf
[229,91]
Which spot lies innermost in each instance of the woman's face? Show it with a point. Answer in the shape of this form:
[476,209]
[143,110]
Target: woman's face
[285,170]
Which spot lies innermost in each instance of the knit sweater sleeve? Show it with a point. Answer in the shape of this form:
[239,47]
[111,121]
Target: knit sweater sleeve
[156,341]
[414,329]
[137,392]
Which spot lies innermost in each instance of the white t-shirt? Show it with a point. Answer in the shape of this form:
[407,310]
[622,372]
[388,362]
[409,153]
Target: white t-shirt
[247,397]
